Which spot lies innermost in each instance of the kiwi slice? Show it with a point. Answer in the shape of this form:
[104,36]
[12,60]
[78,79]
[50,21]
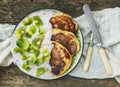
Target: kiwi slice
[36,53]
[27,21]
[23,43]
[40,71]
[37,20]
[28,35]
[22,52]
[30,31]
[26,67]
[41,31]
[20,32]
[32,61]
[18,50]
[39,61]
[36,42]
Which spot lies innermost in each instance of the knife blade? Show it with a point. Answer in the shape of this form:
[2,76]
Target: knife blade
[97,37]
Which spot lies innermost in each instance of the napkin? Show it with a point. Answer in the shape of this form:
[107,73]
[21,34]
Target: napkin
[5,47]
[108,21]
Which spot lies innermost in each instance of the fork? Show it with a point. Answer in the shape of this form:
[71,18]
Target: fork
[88,55]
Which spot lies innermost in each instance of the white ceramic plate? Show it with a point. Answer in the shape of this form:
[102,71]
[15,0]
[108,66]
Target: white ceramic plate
[45,15]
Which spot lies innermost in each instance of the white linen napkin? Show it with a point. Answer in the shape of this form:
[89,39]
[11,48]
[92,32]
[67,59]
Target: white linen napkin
[108,21]
[5,51]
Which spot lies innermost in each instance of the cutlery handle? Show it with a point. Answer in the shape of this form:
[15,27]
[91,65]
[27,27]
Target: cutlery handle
[87,59]
[106,61]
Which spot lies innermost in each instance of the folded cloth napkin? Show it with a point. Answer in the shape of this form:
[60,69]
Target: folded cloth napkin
[108,21]
[5,52]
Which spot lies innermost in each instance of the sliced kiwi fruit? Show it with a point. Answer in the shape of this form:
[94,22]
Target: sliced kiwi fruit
[20,32]
[36,42]
[27,21]
[23,43]
[37,20]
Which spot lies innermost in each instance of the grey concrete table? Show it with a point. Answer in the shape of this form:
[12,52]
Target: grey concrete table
[11,11]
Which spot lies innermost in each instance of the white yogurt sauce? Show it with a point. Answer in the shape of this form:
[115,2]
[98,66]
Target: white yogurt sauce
[45,15]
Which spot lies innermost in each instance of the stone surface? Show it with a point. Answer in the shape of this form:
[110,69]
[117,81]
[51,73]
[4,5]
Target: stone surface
[11,11]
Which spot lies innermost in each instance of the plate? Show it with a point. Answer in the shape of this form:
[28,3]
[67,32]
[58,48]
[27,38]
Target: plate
[45,15]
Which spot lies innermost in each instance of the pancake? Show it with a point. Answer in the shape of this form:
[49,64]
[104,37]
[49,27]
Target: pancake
[67,39]
[60,59]
[64,22]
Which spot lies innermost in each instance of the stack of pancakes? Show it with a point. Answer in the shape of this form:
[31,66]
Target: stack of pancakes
[66,44]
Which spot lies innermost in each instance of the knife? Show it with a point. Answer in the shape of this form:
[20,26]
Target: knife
[97,38]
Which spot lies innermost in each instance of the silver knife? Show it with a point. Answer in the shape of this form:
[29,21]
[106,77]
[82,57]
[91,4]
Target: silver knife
[97,38]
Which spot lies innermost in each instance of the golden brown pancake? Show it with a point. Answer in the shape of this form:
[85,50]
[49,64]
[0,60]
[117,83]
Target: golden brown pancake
[60,59]
[64,22]
[67,39]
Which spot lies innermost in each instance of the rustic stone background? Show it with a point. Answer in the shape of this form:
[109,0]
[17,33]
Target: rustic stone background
[11,11]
